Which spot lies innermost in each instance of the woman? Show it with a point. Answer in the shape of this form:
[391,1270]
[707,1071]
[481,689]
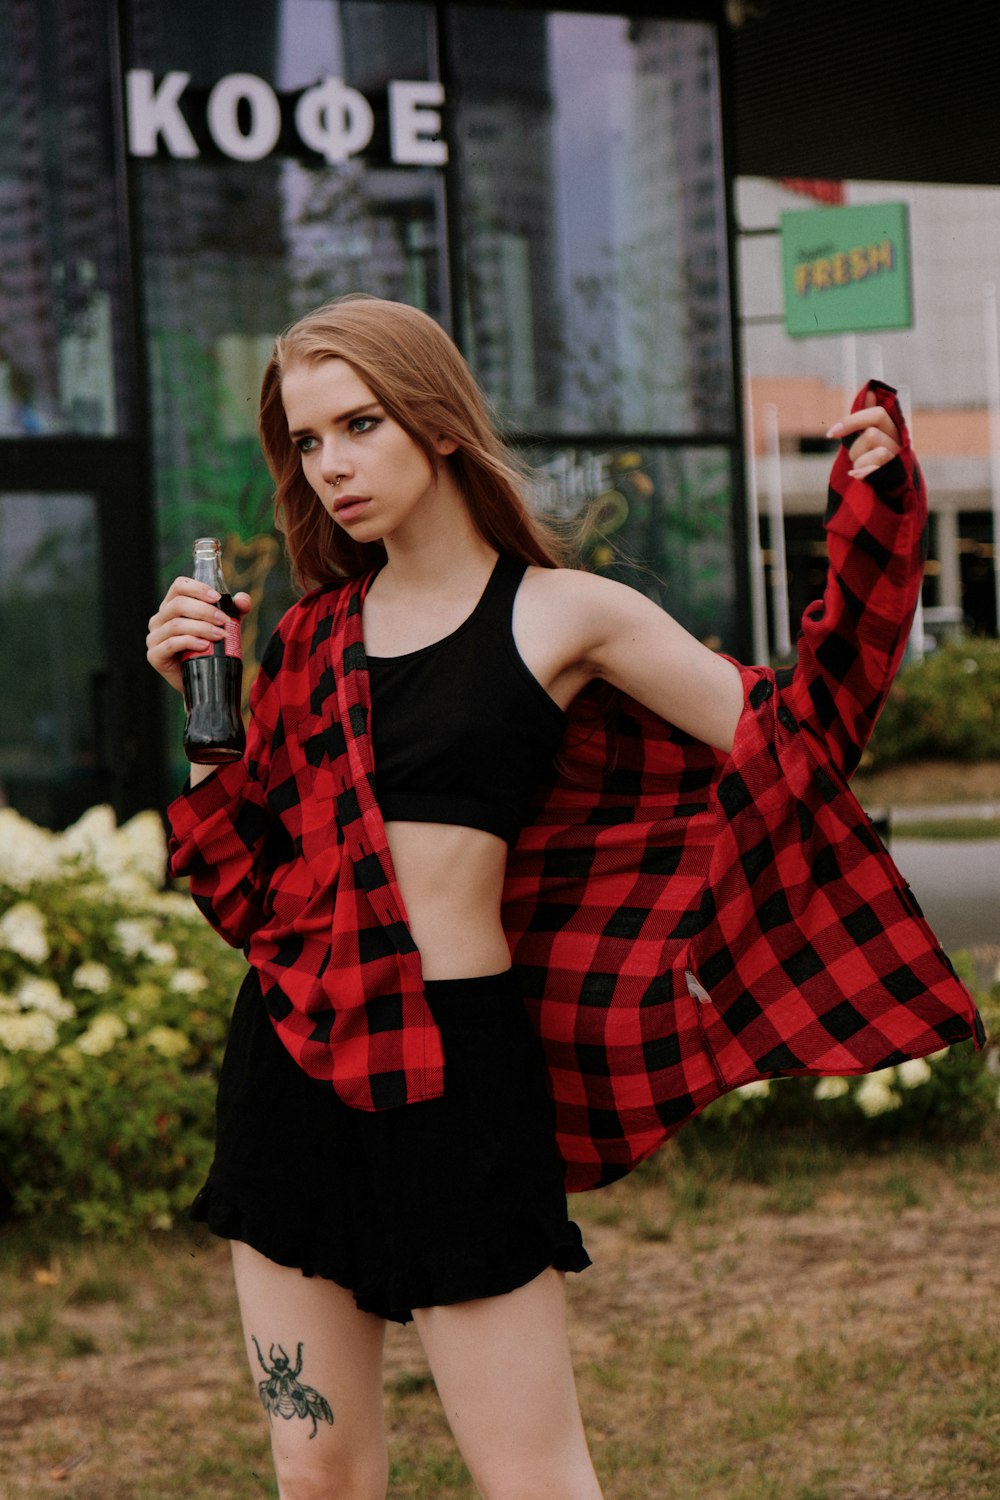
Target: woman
[385,1125]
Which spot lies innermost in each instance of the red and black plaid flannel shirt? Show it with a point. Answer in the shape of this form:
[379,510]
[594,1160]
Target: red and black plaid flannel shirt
[683,922]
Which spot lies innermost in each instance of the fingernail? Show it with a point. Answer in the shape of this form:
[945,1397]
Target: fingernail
[213,596]
[836,430]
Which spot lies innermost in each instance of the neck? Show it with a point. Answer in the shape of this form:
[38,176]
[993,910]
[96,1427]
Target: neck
[441,546]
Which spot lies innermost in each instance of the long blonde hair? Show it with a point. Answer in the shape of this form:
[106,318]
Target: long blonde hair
[418,375]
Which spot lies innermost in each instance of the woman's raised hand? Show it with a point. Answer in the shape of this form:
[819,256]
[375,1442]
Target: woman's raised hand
[877,437]
[187,620]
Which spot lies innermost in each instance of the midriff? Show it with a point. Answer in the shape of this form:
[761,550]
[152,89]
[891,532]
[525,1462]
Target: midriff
[451,880]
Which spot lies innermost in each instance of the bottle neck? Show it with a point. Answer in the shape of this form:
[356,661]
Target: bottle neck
[208,565]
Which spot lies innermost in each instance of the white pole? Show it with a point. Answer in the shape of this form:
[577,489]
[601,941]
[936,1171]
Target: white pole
[849,368]
[993,399]
[915,644]
[776,527]
[758,608]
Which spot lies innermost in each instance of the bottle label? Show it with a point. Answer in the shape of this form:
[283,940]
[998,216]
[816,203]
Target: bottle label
[230,645]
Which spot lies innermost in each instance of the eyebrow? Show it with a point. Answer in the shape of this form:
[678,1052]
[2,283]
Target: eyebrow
[346,416]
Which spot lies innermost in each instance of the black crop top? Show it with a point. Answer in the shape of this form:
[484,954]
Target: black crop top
[461,730]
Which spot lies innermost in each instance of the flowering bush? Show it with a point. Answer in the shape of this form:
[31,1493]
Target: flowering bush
[114,999]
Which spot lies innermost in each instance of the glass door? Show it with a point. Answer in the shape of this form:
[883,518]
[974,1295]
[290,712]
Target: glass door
[81,714]
[54,732]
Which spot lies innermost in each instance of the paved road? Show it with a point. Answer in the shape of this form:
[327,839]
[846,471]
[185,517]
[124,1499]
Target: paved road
[958,886]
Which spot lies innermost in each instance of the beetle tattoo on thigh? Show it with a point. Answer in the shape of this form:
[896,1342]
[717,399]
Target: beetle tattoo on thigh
[282,1393]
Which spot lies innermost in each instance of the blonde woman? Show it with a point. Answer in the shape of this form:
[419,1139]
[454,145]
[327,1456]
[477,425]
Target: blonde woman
[400,1108]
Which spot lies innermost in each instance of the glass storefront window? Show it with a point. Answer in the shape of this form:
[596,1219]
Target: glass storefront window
[236,249]
[565,220]
[655,517]
[53,669]
[60,274]
[593,220]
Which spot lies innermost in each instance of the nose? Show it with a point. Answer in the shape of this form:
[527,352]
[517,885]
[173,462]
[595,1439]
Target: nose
[334,463]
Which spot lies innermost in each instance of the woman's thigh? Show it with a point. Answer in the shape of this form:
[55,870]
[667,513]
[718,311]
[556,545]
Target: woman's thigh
[503,1369]
[317,1362]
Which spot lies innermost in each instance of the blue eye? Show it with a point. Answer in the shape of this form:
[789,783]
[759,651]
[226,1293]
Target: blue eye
[305,444]
[363,424]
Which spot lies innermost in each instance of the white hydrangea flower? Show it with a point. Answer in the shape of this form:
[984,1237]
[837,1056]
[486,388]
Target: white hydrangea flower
[913,1073]
[93,976]
[759,1088]
[167,1040]
[31,1031]
[160,953]
[9,1006]
[46,996]
[142,848]
[831,1088]
[90,842]
[101,1035]
[27,853]
[188,981]
[128,888]
[132,934]
[875,1095]
[22,931]
[175,904]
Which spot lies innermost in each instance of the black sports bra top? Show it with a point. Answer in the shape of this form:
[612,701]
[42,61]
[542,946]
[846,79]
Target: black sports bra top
[461,730]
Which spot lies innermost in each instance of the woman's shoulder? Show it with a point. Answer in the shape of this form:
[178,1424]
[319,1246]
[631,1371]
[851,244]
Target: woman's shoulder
[576,588]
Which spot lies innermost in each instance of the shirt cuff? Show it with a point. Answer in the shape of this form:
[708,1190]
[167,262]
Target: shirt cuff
[195,805]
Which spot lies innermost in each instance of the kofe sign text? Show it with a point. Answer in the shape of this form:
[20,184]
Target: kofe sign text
[846,270]
[243,117]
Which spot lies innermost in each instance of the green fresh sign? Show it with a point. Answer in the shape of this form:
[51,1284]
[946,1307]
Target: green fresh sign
[847,270]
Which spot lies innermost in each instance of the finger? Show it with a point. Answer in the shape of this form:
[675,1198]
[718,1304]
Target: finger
[871,443]
[167,645]
[858,421]
[868,462]
[192,587]
[185,607]
[243,603]
[862,471]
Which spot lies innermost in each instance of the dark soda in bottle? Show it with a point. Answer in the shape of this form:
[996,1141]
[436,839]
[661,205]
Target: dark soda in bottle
[213,678]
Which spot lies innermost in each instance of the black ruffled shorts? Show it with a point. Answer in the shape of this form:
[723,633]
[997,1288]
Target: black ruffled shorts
[447,1201]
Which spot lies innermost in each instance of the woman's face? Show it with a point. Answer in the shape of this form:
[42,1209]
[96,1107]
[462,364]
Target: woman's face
[367,471]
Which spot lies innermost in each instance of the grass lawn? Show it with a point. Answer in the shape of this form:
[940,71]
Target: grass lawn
[811,1326]
[952,829]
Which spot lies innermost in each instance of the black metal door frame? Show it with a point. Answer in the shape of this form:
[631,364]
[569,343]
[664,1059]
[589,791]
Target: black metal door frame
[115,473]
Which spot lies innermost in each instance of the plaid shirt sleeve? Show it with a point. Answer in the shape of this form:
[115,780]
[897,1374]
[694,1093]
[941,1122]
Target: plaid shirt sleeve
[219,828]
[287,856]
[686,922]
[852,640]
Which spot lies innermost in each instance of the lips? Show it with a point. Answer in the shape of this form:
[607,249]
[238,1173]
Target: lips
[349,507]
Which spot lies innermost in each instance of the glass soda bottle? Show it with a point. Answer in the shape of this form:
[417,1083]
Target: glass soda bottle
[213,677]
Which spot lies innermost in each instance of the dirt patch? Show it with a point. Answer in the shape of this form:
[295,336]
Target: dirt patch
[672,1313]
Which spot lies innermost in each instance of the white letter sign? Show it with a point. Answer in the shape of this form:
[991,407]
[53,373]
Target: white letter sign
[331,118]
[412,123]
[334,120]
[265,116]
[153,112]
